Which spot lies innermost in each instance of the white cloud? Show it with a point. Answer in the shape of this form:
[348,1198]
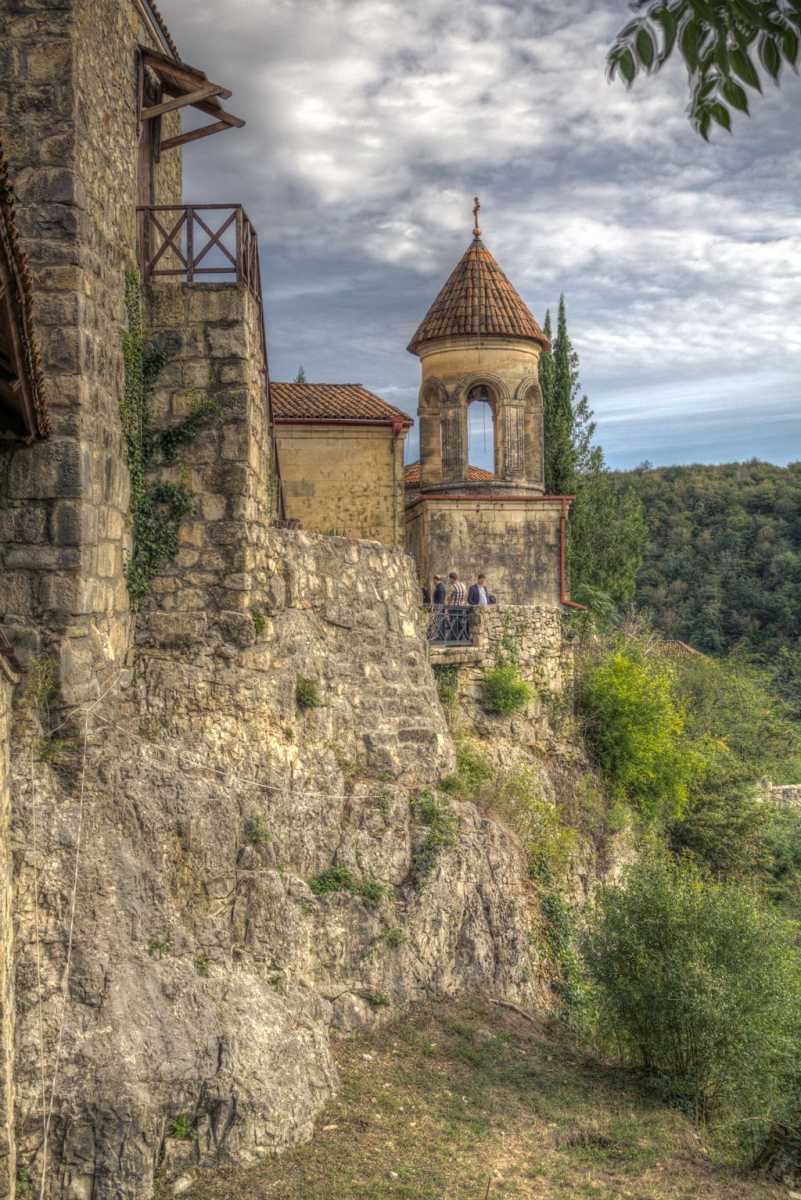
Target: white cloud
[370,126]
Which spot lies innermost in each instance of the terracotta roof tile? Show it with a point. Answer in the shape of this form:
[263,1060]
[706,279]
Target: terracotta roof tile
[331,402]
[162,24]
[412,474]
[19,296]
[477,299]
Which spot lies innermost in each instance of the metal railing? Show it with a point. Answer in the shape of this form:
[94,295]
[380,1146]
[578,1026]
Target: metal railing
[186,240]
[449,624]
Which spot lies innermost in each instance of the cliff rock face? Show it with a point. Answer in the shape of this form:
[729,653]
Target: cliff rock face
[192,809]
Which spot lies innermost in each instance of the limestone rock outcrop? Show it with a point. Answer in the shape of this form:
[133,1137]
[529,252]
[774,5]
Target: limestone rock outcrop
[248,877]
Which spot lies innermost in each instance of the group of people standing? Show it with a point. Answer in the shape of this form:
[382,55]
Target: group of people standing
[455,593]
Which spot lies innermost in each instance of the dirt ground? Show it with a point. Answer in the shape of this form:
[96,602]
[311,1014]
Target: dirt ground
[473,1102]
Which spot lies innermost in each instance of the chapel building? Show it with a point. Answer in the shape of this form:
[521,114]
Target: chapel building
[480,344]
[340,454]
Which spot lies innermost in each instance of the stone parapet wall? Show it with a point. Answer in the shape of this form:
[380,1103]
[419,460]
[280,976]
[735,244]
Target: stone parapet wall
[787,795]
[531,636]
[64,501]
[210,336]
[534,639]
[342,613]
[7,1144]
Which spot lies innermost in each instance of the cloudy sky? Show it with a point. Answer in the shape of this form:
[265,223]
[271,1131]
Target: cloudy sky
[370,126]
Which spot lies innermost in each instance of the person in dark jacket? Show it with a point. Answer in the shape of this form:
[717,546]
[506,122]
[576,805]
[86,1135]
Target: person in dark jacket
[479,593]
[439,590]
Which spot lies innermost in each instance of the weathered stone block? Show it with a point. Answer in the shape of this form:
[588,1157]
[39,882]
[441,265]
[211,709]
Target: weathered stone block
[43,557]
[227,339]
[48,60]
[53,468]
[59,595]
[15,593]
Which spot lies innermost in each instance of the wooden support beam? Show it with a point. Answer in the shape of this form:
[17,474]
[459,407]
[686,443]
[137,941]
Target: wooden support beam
[180,72]
[156,110]
[194,134]
[207,107]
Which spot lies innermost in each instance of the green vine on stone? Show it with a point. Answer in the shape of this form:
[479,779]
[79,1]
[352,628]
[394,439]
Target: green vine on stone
[167,442]
[156,511]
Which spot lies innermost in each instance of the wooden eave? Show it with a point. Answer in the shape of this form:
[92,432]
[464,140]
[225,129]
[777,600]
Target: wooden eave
[187,87]
[22,407]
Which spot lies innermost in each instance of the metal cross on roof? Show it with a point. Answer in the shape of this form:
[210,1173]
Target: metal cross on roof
[476,209]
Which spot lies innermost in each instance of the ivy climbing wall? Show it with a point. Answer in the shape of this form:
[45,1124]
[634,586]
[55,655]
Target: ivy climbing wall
[64,531]
[208,402]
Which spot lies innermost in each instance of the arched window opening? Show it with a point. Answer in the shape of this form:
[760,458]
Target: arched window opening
[480,428]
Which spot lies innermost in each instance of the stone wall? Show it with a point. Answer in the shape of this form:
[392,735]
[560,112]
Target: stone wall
[7,1141]
[206,973]
[211,338]
[514,543]
[68,110]
[787,795]
[531,637]
[346,479]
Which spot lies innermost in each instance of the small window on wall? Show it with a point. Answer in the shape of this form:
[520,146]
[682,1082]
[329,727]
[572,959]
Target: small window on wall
[480,428]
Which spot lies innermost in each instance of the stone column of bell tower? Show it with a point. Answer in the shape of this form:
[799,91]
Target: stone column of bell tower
[479,341]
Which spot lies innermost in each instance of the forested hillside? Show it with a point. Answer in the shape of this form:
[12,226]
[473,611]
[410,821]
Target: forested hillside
[723,564]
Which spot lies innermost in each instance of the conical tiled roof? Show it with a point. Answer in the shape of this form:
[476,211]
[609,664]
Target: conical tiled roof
[477,299]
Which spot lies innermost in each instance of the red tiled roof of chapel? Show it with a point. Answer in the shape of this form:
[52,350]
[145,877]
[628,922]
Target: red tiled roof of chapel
[331,402]
[412,474]
[477,299]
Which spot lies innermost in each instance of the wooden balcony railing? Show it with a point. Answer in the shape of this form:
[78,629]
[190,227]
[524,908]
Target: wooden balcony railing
[199,242]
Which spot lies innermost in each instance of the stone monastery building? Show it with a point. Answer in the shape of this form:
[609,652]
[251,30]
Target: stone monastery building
[182,544]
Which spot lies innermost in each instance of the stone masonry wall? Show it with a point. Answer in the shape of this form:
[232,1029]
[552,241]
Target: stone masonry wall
[534,638]
[786,795]
[346,479]
[68,115]
[515,544]
[7,1141]
[210,335]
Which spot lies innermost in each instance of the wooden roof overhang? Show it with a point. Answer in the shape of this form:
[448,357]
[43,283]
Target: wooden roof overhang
[22,405]
[184,86]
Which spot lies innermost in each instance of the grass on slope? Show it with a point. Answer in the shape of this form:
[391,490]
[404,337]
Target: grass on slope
[453,1099]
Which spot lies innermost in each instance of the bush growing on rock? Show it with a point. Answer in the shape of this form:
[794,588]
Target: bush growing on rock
[699,982]
[503,691]
[307,693]
[634,725]
[473,770]
[441,833]
[341,879]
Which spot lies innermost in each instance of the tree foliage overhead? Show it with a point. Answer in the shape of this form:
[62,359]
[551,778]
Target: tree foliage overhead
[728,46]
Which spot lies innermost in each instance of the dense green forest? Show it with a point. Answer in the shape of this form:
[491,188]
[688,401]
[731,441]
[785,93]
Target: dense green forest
[722,568]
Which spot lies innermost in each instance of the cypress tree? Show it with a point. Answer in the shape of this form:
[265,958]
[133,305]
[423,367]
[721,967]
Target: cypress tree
[607,528]
[301,375]
[546,387]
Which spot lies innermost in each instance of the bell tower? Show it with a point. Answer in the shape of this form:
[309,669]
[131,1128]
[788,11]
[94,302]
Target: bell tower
[479,343]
